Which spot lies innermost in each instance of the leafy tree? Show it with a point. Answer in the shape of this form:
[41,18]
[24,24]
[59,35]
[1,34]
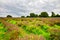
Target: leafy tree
[57,15]
[9,16]
[39,15]
[22,16]
[27,16]
[32,15]
[53,14]
[44,14]
[36,15]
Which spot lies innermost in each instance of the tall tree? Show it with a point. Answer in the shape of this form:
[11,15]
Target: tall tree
[53,14]
[44,14]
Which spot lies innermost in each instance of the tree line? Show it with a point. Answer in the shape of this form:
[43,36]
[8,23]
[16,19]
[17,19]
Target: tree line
[42,14]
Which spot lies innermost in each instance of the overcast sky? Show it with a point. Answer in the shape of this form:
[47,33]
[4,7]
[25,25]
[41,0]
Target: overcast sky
[18,8]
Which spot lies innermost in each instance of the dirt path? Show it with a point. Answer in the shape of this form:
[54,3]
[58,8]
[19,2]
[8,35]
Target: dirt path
[11,27]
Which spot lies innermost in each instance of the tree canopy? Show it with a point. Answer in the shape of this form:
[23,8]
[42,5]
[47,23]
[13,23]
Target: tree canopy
[53,14]
[44,14]
[9,16]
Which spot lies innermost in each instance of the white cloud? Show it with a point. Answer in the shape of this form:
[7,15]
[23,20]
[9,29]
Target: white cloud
[24,7]
[3,9]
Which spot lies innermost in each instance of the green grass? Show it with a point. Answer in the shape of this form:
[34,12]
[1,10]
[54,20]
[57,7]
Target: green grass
[31,27]
[2,31]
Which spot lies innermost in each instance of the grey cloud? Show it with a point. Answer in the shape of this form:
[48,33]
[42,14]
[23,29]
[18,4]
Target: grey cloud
[24,7]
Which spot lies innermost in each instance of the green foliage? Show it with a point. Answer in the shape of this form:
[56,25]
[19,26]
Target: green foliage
[32,30]
[1,24]
[9,16]
[36,15]
[57,15]
[22,16]
[27,16]
[35,30]
[55,34]
[57,24]
[33,15]
[30,27]
[53,14]
[44,28]
[44,14]
[11,21]
[2,31]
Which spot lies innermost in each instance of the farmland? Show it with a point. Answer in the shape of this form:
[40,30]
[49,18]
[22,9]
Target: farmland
[29,28]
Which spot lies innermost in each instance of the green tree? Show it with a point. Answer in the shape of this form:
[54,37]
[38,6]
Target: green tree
[57,15]
[27,16]
[39,15]
[9,16]
[44,14]
[32,15]
[36,15]
[22,16]
[53,14]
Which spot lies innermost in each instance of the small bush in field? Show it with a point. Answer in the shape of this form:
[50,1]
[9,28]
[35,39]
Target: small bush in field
[57,24]
[19,25]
